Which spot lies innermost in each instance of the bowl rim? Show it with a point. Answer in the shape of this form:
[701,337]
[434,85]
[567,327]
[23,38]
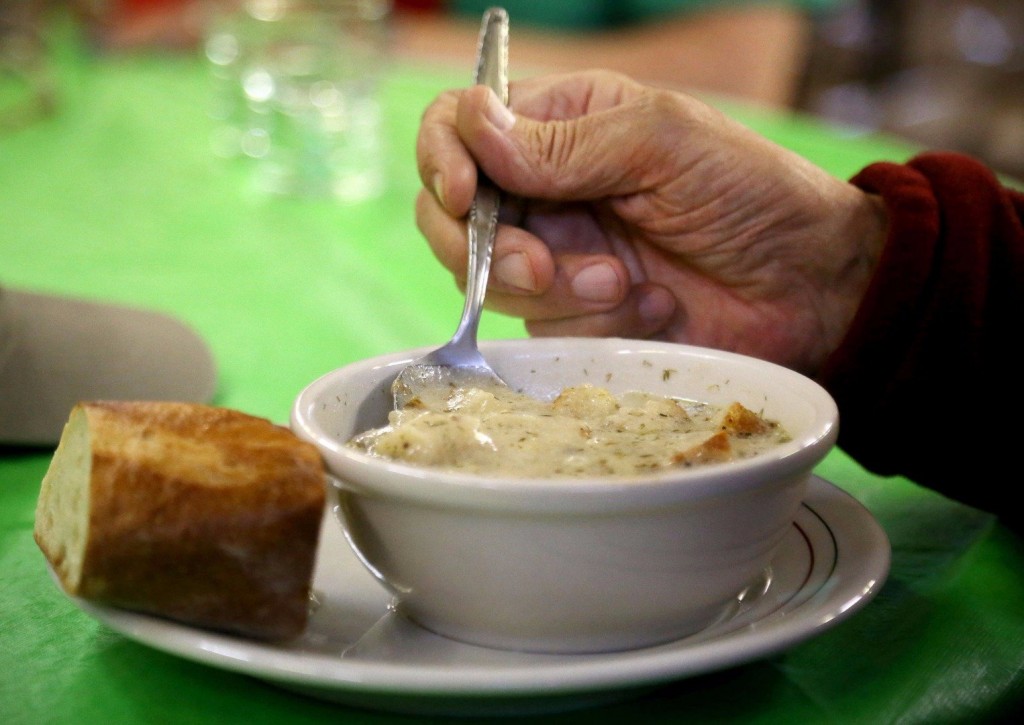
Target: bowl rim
[354,470]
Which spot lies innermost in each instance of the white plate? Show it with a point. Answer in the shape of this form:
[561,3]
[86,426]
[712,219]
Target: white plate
[356,650]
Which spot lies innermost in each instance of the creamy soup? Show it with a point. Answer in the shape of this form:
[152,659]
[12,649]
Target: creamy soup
[585,431]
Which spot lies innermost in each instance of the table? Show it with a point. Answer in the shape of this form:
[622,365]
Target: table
[117,197]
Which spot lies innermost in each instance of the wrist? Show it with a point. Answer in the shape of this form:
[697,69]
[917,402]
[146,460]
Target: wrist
[860,235]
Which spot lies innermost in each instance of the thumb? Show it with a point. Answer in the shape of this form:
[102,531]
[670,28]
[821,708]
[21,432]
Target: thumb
[615,151]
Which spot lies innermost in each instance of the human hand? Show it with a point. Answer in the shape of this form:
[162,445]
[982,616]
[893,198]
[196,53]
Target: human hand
[643,212]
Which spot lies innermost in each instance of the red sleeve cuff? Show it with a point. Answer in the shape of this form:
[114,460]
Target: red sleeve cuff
[933,332]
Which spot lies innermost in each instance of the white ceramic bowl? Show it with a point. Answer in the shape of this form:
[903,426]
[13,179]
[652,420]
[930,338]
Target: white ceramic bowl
[572,565]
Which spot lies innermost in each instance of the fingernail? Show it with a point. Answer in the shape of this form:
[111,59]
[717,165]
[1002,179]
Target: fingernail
[438,183]
[498,113]
[514,270]
[656,306]
[597,283]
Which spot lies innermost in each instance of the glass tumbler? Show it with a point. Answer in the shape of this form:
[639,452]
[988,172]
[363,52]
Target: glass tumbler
[296,90]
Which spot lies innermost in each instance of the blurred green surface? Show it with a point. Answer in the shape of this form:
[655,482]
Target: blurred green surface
[118,197]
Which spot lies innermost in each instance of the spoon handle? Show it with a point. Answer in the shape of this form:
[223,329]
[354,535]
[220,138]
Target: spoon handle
[492,53]
[492,71]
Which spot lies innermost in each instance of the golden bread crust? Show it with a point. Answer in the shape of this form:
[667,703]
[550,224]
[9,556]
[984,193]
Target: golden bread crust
[201,514]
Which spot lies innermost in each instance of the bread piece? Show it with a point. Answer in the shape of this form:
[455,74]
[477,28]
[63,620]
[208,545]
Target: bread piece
[200,514]
[741,421]
[713,449]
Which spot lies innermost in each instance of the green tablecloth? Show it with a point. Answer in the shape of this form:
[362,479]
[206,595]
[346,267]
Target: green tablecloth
[117,197]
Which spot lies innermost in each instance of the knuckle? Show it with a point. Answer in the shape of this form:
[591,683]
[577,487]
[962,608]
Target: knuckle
[555,143]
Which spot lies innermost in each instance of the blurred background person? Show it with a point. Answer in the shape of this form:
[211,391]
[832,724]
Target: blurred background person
[753,50]
[943,73]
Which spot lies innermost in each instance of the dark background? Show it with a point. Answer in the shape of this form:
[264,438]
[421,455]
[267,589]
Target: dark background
[945,74]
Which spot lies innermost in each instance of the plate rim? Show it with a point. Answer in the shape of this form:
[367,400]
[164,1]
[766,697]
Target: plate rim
[860,534]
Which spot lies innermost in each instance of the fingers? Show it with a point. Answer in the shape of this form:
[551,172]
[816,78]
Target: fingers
[599,155]
[522,264]
[528,279]
[571,95]
[535,152]
[645,312]
[571,140]
[443,161]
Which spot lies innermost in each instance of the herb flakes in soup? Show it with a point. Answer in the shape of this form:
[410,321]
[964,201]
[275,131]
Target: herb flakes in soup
[585,431]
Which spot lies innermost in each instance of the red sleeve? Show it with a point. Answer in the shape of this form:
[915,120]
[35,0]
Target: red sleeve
[928,379]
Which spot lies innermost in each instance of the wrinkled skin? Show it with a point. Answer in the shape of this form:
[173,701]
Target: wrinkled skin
[642,212]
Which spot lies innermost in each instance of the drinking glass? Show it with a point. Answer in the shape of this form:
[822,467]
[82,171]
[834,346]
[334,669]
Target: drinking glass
[297,92]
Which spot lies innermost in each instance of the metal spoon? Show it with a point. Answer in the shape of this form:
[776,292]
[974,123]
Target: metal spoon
[459,363]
